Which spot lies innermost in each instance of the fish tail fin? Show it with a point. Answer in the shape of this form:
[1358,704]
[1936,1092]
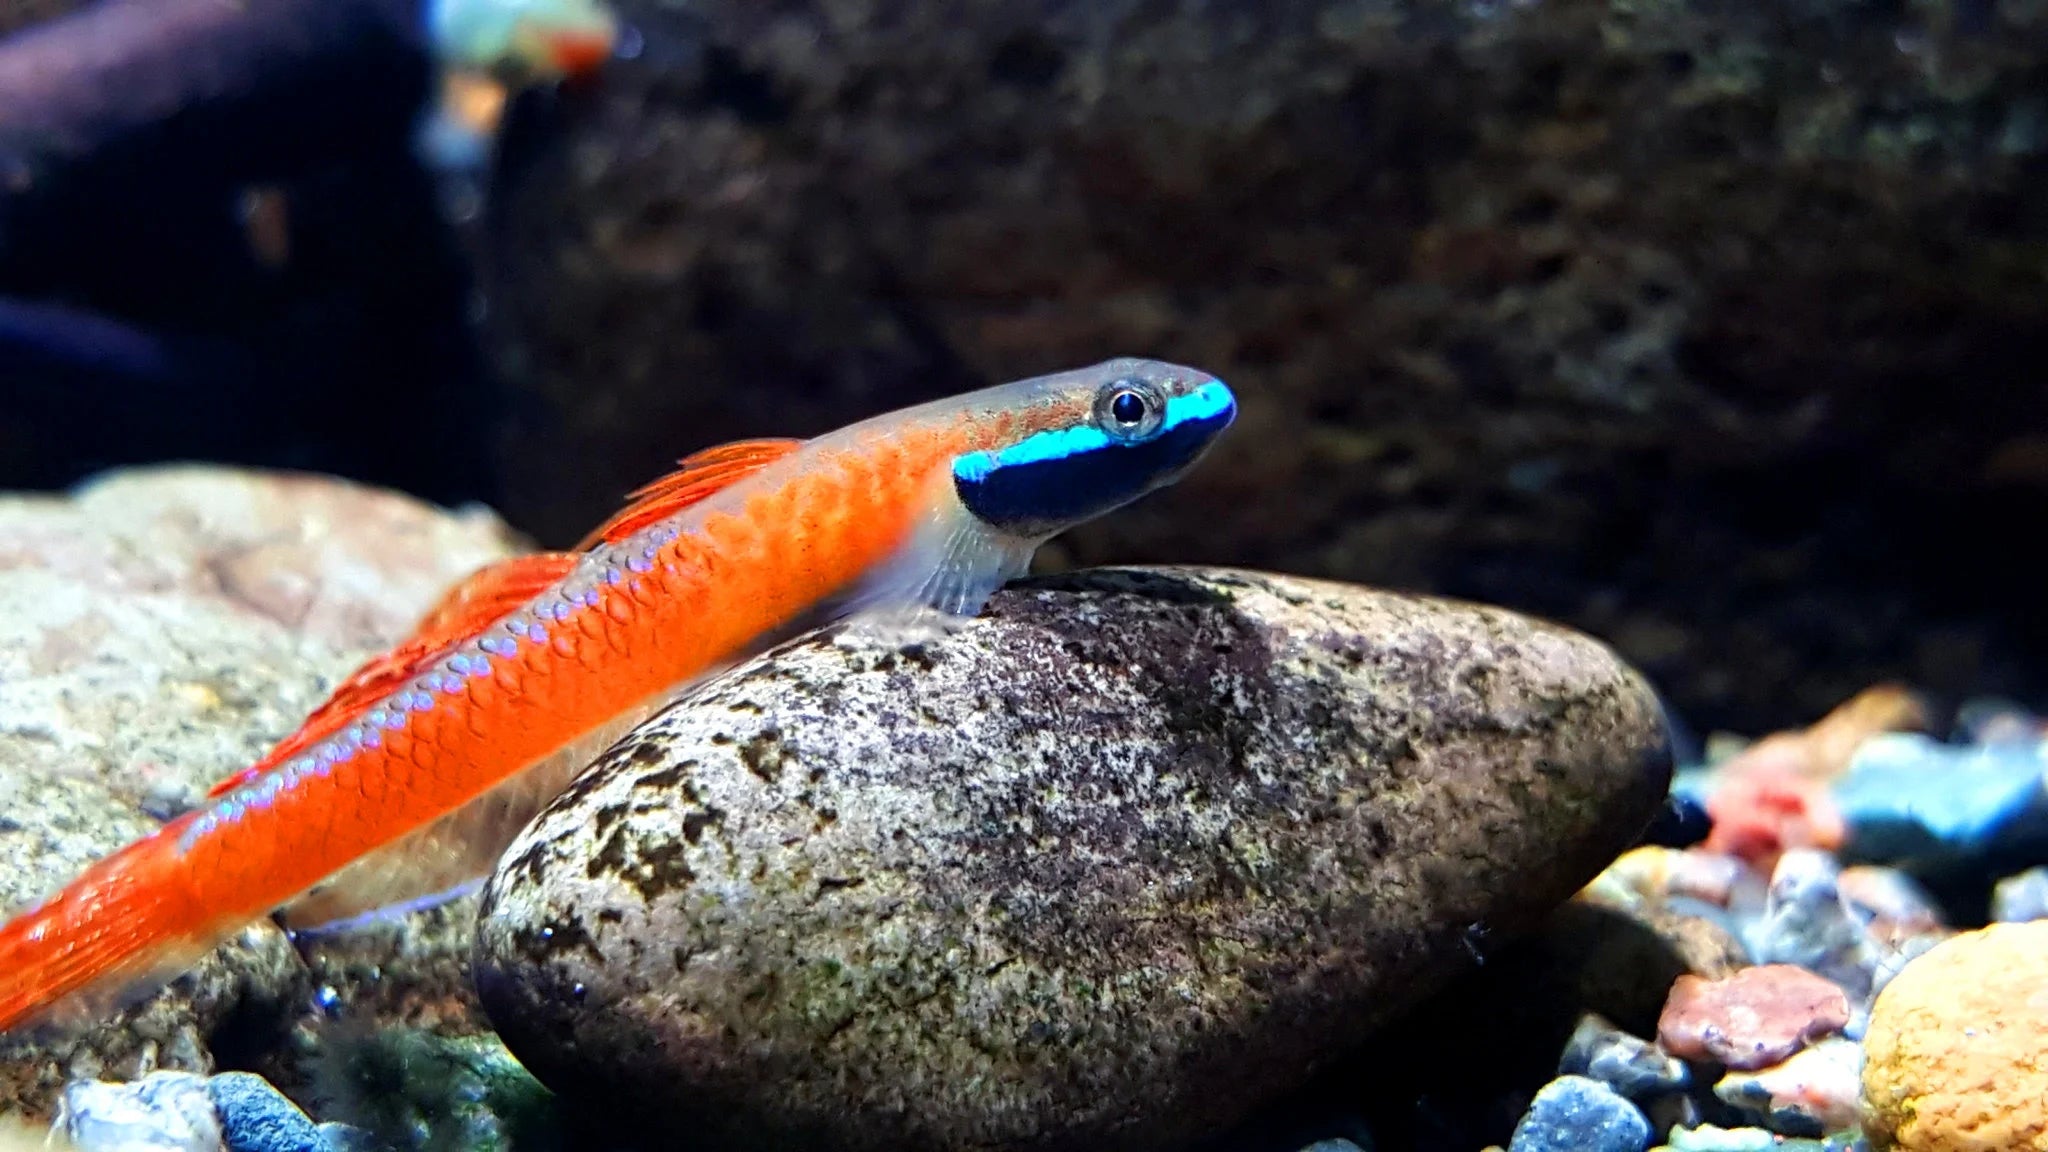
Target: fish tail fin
[120,922]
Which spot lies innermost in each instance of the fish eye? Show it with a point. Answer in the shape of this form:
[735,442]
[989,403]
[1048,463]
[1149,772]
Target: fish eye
[1129,409]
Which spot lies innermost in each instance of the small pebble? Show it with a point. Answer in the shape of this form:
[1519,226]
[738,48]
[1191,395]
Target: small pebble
[1707,1138]
[1630,1065]
[162,1112]
[1652,875]
[1668,1112]
[1891,962]
[1812,1094]
[1759,815]
[255,1117]
[1807,923]
[1681,823]
[1708,939]
[1753,1019]
[349,1138]
[1578,1114]
[1989,720]
[1822,750]
[1892,905]
[2021,898]
[462,1092]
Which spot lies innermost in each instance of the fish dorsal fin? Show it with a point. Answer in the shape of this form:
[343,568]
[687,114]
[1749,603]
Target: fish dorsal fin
[697,477]
[486,597]
[496,591]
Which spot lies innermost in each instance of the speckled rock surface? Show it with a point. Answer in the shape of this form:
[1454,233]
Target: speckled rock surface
[1953,1057]
[50,829]
[1102,869]
[159,630]
[165,626]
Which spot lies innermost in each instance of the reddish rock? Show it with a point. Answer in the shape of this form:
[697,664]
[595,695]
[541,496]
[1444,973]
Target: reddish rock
[1753,1019]
[1760,815]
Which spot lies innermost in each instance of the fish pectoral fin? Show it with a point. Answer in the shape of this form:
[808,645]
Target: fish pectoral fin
[947,570]
[484,598]
[697,477]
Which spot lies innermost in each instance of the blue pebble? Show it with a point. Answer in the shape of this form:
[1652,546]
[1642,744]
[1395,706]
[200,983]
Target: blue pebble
[346,1138]
[1681,823]
[1578,1114]
[1907,796]
[2021,898]
[255,1117]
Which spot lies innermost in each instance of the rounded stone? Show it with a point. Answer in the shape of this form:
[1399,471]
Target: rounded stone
[1752,1019]
[1952,1059]
[1106,866]
[1578,1114]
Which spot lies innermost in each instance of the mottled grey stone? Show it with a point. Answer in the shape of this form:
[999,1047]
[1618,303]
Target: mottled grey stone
[1103,868]
[163,627]
[159,629]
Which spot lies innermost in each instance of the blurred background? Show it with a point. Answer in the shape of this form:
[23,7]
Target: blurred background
[1714,330]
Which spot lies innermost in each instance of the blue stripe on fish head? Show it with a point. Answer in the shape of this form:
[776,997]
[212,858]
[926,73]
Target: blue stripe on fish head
[1060,477]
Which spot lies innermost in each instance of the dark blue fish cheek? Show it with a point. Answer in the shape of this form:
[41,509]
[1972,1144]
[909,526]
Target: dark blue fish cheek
[1041,496]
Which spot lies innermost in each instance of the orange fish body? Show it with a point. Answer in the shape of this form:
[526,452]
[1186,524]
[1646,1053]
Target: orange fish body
[933,507]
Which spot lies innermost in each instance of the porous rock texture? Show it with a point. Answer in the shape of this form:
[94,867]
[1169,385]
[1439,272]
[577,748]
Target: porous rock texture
[1953,1058]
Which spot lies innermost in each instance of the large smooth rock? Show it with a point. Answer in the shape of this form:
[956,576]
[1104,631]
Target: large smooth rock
[1103,868]
[160,629]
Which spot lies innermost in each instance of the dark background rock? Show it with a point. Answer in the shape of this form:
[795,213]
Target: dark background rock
[1708,329]
[21,13]
[1712,330]
[132,135]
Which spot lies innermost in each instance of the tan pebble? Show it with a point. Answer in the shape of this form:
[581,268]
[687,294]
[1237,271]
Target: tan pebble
[1954,1056]
[196,696]
[1822,751]
[1818,1083]
[1896,906]
[1651,875]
